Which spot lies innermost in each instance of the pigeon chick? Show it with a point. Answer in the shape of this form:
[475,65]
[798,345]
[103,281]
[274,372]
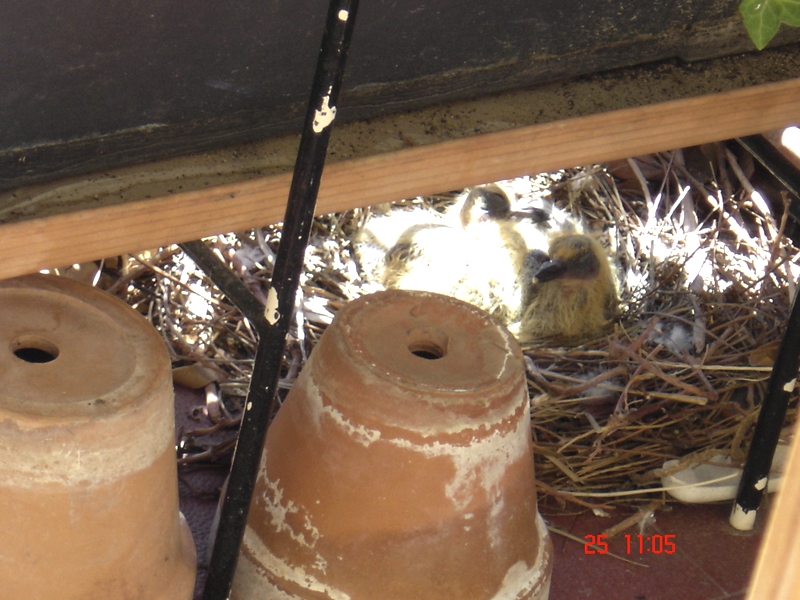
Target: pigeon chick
[571,296]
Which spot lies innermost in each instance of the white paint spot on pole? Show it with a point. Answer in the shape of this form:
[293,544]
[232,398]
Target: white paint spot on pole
[343,14]
[761,484]
[325,115]
[271,313]
[789,385]
[742,519]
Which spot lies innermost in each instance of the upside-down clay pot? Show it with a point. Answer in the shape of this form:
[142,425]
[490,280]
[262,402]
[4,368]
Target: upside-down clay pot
[400,465]
[88,480]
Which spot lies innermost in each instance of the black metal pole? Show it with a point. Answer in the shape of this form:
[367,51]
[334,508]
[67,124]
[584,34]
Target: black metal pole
[782,169]
[280,299]
[755,474]
[227,282]
[782,383]
[775,162]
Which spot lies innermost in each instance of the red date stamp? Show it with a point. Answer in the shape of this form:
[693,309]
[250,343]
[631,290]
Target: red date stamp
[634,544]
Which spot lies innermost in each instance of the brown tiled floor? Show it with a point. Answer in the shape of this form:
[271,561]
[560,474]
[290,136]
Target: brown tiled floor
[712,561]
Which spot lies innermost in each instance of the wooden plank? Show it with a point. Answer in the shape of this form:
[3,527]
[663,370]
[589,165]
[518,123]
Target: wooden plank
[777,572]
[28,246]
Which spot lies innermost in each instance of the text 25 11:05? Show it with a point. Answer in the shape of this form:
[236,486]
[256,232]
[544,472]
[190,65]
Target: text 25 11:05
[643,544]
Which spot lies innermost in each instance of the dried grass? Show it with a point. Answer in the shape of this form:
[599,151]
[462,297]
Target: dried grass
[706,280]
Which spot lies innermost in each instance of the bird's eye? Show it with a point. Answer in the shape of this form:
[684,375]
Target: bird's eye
[534,261]
[586,264]
[496,205]
[539,215]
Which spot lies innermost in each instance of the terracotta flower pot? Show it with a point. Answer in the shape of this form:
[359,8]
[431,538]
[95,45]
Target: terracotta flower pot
[88,481]
[400,465]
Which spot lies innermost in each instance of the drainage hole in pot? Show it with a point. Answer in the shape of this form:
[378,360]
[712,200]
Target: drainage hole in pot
[426,350]
[33,349]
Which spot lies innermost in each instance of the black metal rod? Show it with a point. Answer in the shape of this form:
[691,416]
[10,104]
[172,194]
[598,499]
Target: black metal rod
[227,282]
[755,474]
[281,296]
[775,162]
[782,383]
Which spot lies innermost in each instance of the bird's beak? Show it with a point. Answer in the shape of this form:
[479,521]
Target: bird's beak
[552,269]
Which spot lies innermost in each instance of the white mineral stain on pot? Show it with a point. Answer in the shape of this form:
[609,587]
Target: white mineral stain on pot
[359,433]
[62,420]
[497,506]
[437,396]
[279,511]
[399,449]
[483,462]
[280,569]
[70,462]
[273,499]
[521,579]
[87,449]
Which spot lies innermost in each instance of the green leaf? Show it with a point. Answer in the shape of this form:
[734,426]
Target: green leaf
[762,18]
[790,12]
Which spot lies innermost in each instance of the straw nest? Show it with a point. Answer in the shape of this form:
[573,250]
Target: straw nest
[706,280]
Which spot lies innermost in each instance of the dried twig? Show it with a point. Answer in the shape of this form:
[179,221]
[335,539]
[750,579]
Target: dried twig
[605,415]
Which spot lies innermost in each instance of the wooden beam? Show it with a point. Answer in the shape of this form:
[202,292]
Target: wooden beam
[28,246]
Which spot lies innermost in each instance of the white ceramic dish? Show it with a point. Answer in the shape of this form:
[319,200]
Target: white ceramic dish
[716,480]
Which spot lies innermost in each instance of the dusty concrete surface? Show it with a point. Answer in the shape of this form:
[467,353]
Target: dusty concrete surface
[618,89]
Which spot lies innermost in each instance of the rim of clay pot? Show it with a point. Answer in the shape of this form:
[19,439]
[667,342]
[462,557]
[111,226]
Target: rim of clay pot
[401,463]
[75,362]
[438,329]
[379,382]
[88,329]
